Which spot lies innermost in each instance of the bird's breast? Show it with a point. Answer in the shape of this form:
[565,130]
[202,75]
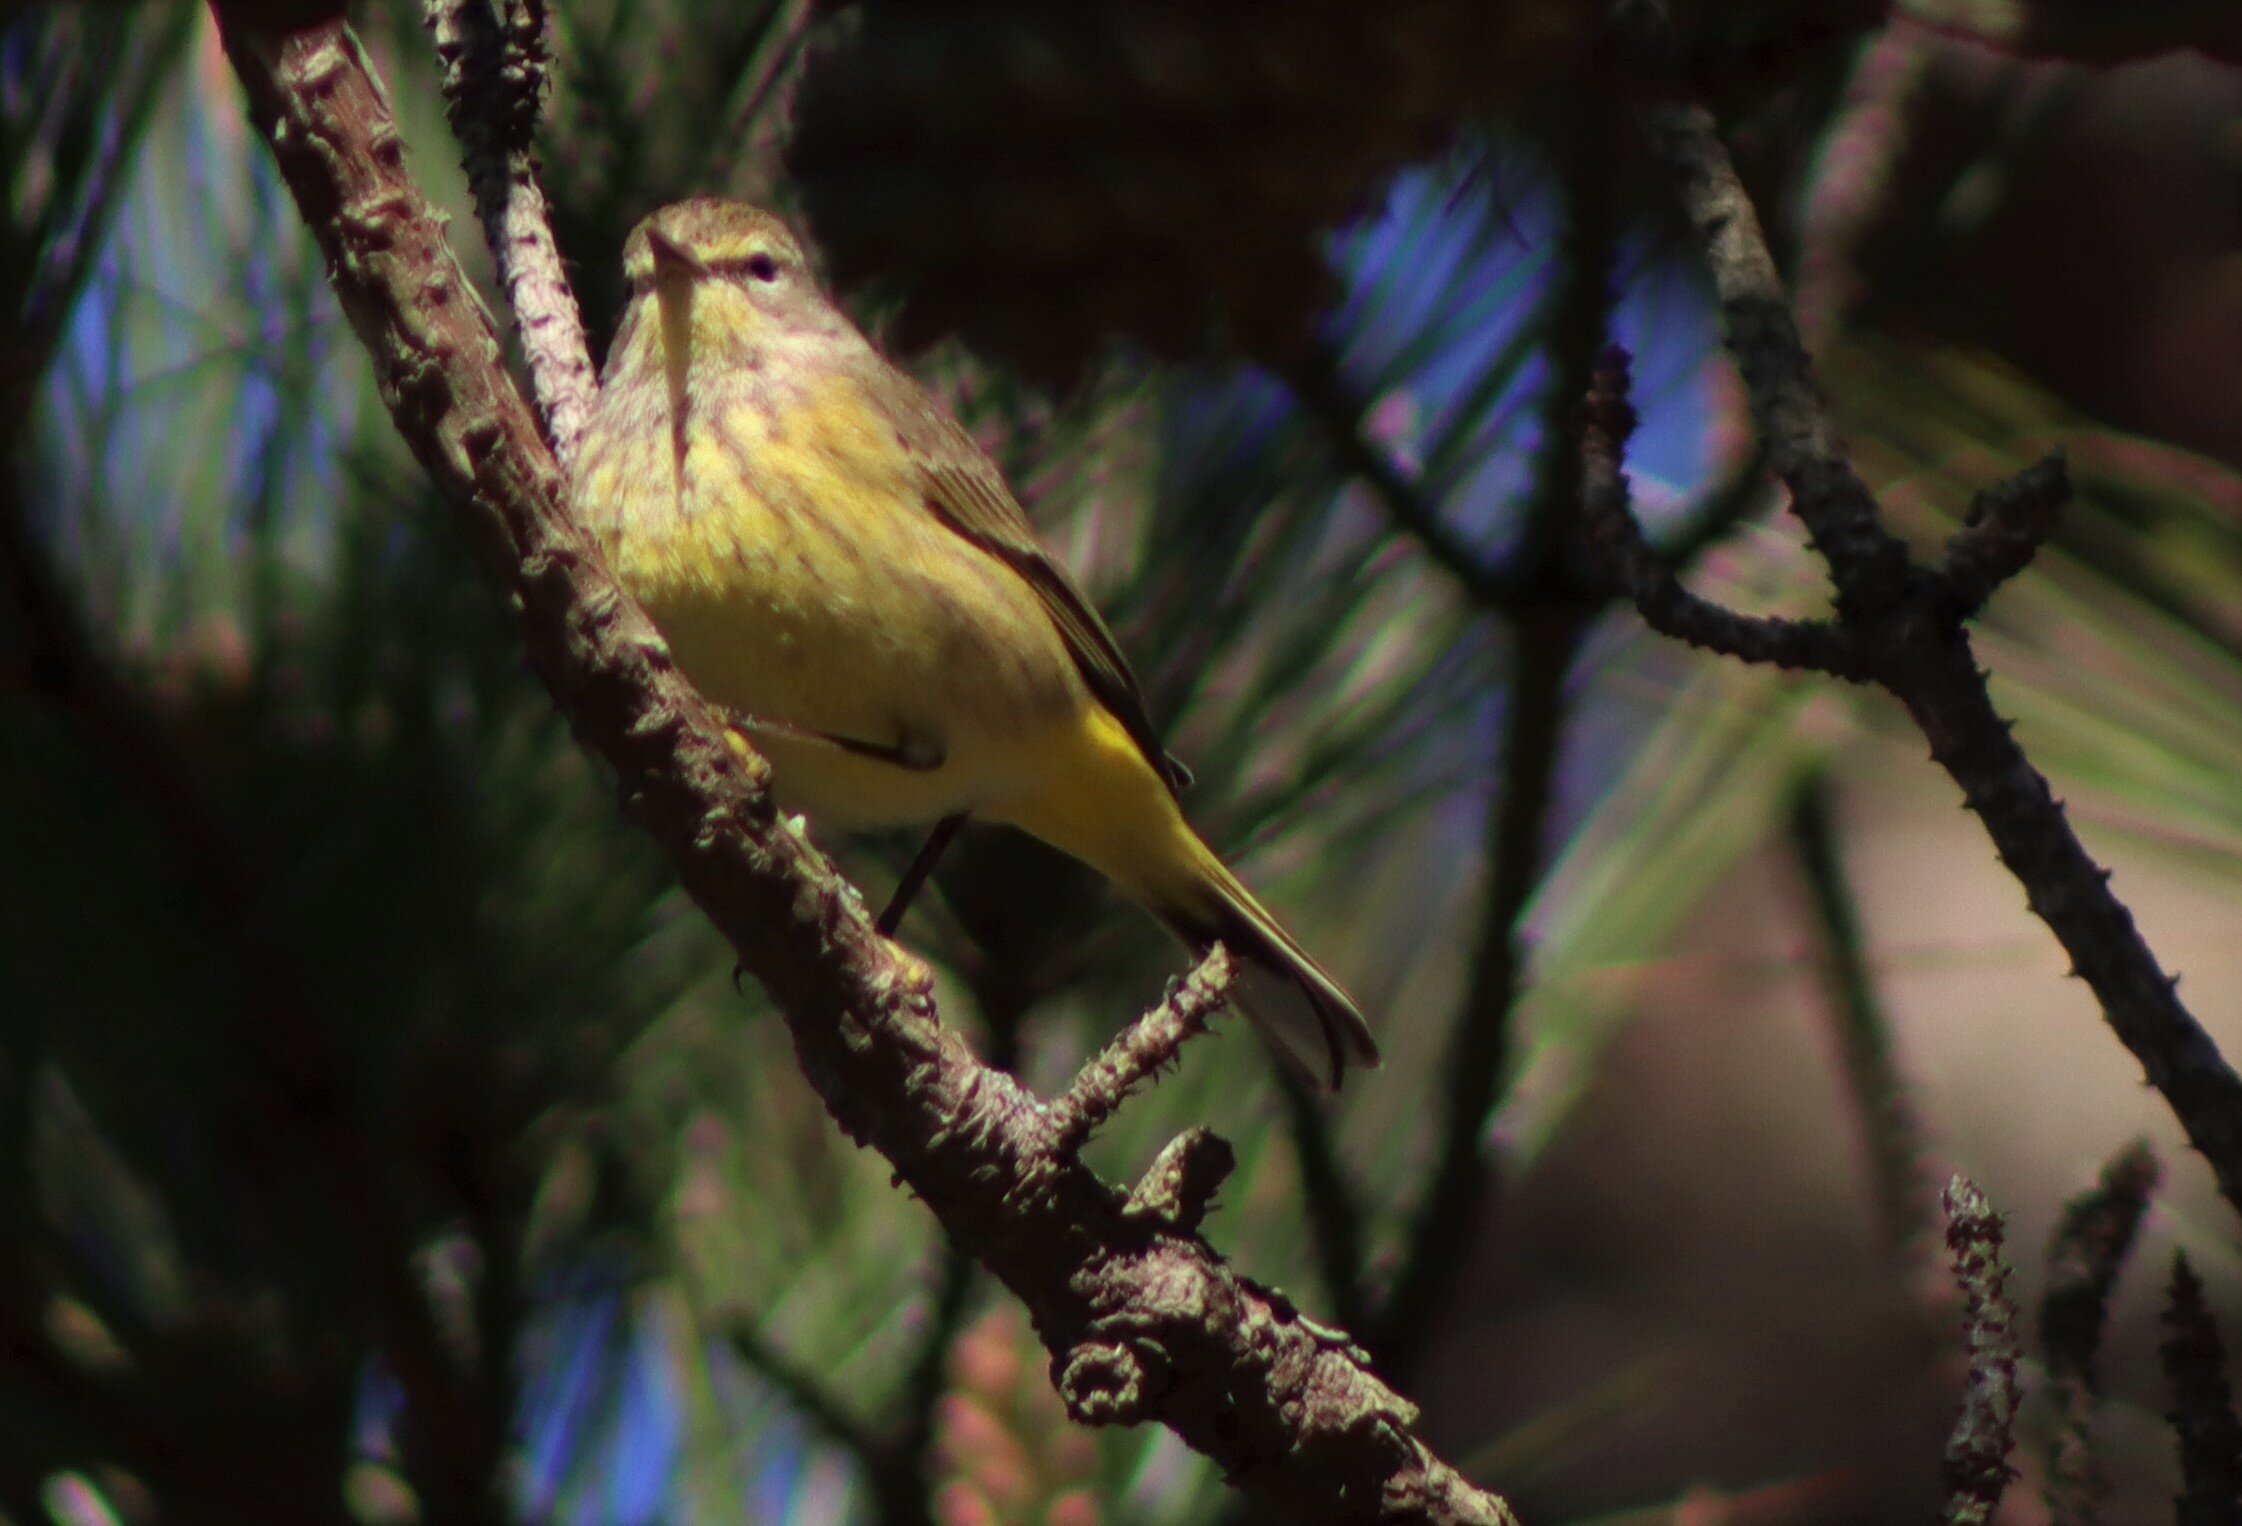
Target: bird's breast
[792,565]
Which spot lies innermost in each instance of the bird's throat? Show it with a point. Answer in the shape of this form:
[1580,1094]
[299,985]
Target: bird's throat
[676,302]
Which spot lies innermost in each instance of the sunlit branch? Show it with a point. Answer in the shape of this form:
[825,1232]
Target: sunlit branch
[494,79]
[1141,1051]
[1143,1321]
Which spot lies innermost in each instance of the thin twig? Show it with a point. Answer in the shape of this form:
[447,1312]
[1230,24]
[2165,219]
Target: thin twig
[1549,608]
[804,1390]
[1142,1321]
[2005,528]
[1977,1470]
[1314,379]
[1864,1032]
[1903,628]
[1869,564]
[1140,1051]
[1615,535]
[2202,1413]
[2090,1245]
[494,80]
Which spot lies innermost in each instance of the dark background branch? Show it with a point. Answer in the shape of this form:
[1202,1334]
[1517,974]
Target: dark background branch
[1895,613]
[2089,1249]
[1893,1138]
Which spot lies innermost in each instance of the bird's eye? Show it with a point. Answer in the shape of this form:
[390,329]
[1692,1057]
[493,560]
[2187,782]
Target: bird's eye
[762,267]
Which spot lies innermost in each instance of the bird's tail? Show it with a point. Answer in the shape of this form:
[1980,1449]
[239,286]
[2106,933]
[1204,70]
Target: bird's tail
[1287,995]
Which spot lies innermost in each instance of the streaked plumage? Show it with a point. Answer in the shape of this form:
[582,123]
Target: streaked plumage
[834,561]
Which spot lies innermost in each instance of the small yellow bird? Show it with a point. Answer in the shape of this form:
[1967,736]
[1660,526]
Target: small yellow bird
[834,562]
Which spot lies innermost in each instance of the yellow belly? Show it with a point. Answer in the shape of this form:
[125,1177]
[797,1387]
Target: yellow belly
[817,595]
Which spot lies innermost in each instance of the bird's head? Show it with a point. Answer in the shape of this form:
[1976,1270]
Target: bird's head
[725,278]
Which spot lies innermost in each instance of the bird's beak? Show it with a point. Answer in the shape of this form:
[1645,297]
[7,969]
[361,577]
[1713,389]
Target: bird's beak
[672,260]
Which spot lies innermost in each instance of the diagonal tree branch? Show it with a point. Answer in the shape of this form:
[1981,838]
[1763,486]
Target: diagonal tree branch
[1869,565]
[1143,1320]
[1906,621]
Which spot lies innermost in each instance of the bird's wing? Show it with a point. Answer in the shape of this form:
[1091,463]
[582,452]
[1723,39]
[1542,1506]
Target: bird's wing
[964,488]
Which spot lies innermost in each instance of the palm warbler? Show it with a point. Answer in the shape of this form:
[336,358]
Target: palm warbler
[836,564]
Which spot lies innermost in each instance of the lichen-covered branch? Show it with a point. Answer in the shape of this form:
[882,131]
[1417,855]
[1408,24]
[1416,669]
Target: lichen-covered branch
[1977,1470]
[494,77]
[1141,1051]
[1143,1320]
[1904,623]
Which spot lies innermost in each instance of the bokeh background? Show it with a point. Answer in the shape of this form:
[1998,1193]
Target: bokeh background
[385,1139]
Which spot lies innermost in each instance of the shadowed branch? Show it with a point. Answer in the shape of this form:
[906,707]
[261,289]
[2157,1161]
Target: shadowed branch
[1903,625]
[1864,1030]
[2202,1413]
[2089,1248]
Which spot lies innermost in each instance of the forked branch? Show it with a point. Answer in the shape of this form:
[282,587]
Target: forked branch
[1899,623]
